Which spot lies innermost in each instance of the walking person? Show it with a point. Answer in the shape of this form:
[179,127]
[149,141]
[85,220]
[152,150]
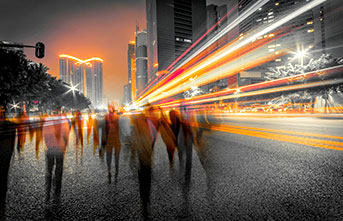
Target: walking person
[56,136]
[112,141]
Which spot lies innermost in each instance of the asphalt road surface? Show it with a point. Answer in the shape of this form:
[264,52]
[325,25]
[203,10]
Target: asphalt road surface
[245,169]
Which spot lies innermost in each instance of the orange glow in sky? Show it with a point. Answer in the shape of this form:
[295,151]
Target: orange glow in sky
[101,33]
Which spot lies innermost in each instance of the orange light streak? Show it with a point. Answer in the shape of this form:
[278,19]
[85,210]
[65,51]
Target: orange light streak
[280,137]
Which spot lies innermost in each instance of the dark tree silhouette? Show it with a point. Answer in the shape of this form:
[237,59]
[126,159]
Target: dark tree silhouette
[22,80]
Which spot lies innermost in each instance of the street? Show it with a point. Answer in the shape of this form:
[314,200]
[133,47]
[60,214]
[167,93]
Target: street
[248,168]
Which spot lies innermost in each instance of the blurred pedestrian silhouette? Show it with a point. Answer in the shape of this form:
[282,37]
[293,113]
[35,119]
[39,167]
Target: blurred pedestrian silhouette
[169,133]
[56,135]
[89,126]
[39,134]
[112,141]
[22,128]
[144,132]
[7,142]
[95,134]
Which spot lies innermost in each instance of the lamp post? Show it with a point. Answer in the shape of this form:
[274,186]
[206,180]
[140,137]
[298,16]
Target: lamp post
[300,55]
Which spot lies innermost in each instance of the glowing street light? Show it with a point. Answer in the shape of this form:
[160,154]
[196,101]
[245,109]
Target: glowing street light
[72,88]
[14,105]
[300,55]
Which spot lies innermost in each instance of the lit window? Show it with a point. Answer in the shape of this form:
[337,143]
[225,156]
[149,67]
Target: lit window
[276,3]
[277,60]
[187,40]
[310,30]
[310,23]
[270,13]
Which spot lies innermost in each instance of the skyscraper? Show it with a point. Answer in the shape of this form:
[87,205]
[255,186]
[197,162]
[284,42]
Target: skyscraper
[94,82]
[141,60]
[131,61]
[126,94]
[86,75]
[172,26]
[214,14]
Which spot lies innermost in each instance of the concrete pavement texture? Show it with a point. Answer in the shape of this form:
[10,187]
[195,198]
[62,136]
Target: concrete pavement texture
[233,177]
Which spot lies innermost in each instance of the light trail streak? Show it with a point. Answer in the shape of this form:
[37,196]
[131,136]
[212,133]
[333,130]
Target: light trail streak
[228,28]
[156,95]
[230,93]
[273,90]
[280,137]
[248,61]
[292,132]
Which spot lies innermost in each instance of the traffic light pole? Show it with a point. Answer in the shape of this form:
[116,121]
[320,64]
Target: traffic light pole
[40,48]
[16,45]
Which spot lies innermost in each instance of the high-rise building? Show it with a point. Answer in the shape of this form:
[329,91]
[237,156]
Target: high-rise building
[94,82]
[131,61]
[303,33]
[126,94]
[85,75]
[214,14]
[141,60]
[172,26]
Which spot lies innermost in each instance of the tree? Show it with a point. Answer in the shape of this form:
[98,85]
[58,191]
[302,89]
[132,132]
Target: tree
[13,75]
[22,80]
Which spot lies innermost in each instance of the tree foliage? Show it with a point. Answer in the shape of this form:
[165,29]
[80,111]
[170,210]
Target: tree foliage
[22,80]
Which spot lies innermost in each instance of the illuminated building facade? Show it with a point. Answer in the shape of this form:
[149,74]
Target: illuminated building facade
[141,60]
[131,61]
[126,94]
[85,75]
[172,27]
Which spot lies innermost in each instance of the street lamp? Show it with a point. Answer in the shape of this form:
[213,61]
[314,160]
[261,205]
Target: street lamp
[300,55]
[72,88]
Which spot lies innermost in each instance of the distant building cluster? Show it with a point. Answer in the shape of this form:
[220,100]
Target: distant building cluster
[174,25]
[85,75]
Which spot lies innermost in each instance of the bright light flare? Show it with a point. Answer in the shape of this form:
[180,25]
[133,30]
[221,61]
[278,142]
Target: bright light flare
[14,106]
[300,54]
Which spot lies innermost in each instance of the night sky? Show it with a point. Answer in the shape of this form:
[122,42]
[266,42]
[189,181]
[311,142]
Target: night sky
[81,28]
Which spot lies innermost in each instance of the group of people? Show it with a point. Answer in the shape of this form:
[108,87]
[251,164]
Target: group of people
[180,130]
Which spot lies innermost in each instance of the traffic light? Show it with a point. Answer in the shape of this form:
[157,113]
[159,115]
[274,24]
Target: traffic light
[40,47]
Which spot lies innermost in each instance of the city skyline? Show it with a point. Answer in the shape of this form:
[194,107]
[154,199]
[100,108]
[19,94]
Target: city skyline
[87,29]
